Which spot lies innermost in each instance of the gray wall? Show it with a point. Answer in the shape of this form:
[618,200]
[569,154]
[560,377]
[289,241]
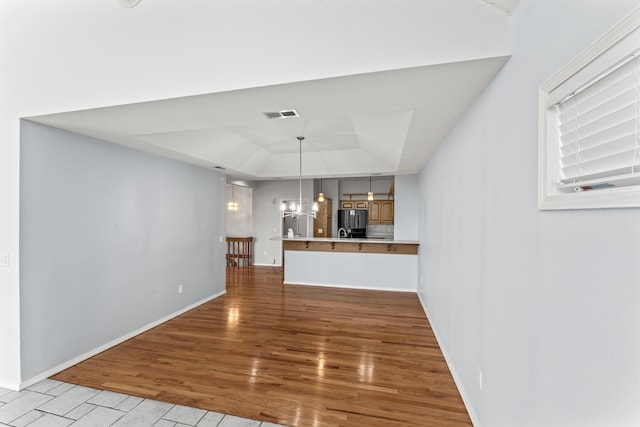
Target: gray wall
[107,234]
[380,185]
[544,304]
[406,207]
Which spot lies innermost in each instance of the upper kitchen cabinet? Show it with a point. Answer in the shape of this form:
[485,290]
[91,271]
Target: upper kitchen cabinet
[381,212]
[354,204]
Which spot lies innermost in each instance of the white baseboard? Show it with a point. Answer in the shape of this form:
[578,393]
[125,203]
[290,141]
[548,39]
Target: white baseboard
[456,378]
[366,288]
[91,353]
[10,385]
[268,265]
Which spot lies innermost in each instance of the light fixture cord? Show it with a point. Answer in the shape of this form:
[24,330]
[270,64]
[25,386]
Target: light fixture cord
[300,138]
[637,108]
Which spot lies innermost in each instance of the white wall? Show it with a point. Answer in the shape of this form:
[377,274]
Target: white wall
[383,272]
[239,222]
[545,304]
[107,236]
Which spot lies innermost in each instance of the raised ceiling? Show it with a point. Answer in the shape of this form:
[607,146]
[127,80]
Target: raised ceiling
[386,122]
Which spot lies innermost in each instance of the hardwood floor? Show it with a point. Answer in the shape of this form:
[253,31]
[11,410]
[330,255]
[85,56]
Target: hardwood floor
[294,355]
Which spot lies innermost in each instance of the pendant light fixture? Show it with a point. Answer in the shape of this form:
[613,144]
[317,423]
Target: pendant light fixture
[320,194]
[370,193]
[233,205]
[295,210]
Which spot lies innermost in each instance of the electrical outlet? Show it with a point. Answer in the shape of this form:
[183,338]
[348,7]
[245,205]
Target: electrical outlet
[180,289]
[479,378]
[4,260]
[274,261]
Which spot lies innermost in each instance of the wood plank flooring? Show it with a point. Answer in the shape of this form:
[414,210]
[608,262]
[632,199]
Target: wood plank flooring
[294,355]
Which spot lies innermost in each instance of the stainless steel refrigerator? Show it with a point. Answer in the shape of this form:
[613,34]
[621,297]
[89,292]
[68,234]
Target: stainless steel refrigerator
[353,221]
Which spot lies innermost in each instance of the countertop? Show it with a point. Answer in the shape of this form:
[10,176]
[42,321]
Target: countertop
[348,240]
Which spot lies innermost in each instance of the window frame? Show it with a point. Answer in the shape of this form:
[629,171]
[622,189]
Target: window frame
[611,48]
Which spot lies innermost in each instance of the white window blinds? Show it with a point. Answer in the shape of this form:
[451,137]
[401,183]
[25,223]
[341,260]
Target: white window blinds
[599,131]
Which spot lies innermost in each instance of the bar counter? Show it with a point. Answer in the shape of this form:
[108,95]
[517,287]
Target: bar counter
[353,263]
[371,246]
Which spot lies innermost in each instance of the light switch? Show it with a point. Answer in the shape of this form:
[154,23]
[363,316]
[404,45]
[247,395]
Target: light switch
[4,260]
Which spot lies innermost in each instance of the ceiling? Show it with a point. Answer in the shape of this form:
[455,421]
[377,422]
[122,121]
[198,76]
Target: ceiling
[385,122]
[506,5]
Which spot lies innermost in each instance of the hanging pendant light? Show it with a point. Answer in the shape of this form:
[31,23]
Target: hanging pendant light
[233,205]
[295,210]
[320,194]
[370,193]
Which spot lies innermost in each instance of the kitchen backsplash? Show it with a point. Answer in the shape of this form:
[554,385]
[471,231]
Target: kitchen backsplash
[380,230]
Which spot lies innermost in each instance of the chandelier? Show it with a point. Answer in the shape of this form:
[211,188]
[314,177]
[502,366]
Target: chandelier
[233,205]
[294,210]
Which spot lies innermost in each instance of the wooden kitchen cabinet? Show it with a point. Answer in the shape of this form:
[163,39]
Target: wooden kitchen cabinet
[374,212]
[354,204]
[386,210]
[323,220]
[381,212]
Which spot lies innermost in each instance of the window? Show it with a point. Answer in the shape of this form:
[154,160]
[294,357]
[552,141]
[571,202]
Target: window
[590,125]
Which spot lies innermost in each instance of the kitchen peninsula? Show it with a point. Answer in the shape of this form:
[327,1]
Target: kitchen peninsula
[351,263]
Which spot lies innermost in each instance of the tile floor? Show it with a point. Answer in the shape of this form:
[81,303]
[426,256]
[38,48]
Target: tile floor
[51,403]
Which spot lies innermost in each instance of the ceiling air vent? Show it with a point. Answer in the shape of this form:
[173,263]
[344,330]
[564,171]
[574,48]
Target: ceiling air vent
[281,114]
